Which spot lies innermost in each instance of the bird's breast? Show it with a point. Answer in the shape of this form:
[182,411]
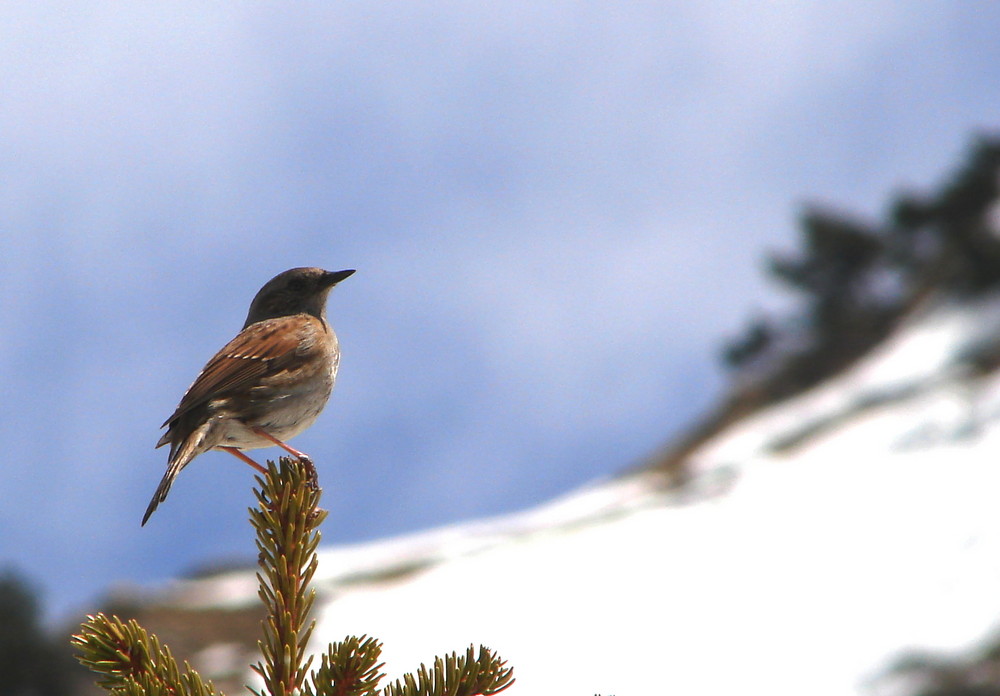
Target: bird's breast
[289,400]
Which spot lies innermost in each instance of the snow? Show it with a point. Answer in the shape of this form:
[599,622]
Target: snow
[872,534]
[805,576]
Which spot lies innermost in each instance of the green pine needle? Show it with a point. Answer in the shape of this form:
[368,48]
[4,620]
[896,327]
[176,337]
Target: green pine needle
[132,662]
[349,668]
[286,520]
[455,675]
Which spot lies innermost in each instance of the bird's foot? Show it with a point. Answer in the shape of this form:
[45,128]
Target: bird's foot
[312,477]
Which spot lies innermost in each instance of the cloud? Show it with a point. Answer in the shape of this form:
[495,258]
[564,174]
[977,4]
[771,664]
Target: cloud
[556,211]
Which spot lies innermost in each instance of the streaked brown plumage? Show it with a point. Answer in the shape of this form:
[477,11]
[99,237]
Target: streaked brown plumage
[266,385]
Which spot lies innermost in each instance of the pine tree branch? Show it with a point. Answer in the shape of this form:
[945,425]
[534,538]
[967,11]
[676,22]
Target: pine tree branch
[132,661]
[349,668]
[456,675]
[286,520]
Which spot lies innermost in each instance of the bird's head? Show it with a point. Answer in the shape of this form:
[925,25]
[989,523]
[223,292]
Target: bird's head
[296,291]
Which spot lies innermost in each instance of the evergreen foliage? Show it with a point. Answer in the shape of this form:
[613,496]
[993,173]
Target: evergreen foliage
[456,676]
[857,280]
[924,673]
[31,664]
[132,662]
[951,238]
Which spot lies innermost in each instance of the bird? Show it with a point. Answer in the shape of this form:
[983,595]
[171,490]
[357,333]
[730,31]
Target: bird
[266,385]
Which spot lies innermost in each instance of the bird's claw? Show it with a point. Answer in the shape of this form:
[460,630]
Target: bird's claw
[312,478]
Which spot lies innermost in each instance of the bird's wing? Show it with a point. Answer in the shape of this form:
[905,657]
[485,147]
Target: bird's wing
[259,350]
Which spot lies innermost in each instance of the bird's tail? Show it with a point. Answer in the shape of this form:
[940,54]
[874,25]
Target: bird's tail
[181,455]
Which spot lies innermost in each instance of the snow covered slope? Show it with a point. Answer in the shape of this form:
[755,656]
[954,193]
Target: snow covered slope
[819,539]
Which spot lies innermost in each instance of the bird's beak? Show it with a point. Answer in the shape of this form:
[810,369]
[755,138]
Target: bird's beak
[331,278]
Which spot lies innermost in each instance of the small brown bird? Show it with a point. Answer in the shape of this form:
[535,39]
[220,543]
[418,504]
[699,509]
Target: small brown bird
[266,385]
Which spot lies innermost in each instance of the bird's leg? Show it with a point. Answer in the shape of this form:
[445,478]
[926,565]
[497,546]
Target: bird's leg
[237,453]
[311,474]
[288,448]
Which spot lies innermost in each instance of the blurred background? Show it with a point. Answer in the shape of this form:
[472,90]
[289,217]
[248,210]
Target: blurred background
[558,214]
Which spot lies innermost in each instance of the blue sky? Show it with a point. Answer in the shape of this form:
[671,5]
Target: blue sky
[557,212]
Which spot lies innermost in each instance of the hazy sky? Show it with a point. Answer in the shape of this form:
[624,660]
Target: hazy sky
[557,212]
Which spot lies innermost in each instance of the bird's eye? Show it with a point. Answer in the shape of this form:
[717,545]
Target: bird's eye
[297,285]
